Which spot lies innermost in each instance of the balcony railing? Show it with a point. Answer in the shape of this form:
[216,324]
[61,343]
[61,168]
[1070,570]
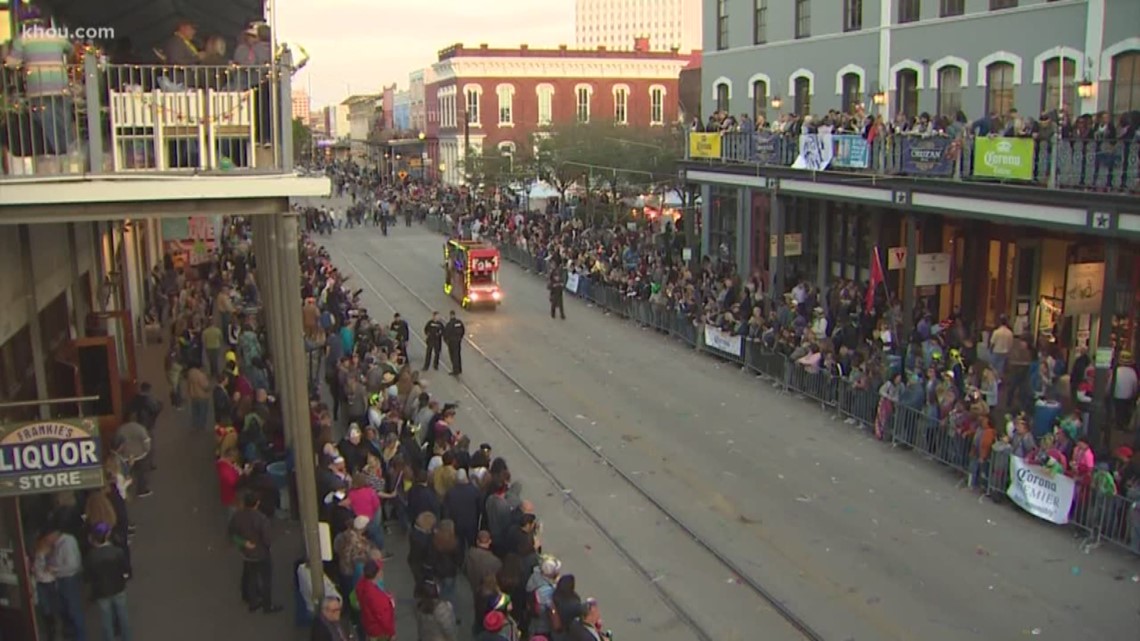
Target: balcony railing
[1094,165]
[125,119]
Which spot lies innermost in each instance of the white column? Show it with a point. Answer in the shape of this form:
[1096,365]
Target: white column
[1094,44]
[884,74]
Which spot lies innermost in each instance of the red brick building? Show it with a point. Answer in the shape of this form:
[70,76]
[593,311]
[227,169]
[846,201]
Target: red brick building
[506,95]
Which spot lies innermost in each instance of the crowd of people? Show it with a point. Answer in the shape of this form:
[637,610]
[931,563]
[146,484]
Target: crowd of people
[395,459]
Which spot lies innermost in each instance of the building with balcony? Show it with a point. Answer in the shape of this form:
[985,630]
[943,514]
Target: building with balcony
[402,111]
[496,99]
[764,57]
[617,24]
[1042,230]
[363,111]
[103,170]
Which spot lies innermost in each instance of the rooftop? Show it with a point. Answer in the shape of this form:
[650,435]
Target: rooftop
[525,51]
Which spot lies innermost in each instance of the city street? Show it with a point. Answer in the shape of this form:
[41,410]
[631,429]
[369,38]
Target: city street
[858,540]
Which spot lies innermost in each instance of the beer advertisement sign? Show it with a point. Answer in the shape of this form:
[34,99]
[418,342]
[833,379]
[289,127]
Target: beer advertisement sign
[50,456]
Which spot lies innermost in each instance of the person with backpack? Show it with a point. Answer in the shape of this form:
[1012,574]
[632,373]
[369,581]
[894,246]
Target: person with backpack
[540,593]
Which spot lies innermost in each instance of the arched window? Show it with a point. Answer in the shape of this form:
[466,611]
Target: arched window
[621,104]
[545,93]
[949,90]
[906,95]
[506,104]
[1124,92]
[1055,77]
[759,99]
[852,92]
[722,97]
[582,95]
[803,96]
[999,88]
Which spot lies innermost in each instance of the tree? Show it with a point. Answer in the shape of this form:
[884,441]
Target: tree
[302,140]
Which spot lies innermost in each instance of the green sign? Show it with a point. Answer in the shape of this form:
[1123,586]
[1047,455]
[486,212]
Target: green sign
[1003,158]
[50,456]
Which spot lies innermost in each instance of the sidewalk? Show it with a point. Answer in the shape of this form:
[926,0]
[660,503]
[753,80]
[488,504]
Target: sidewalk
[186,582]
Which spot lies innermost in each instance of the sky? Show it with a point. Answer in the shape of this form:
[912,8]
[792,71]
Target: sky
[358,46]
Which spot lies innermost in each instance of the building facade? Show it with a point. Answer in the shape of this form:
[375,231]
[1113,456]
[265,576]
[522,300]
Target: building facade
[496,99]
[336,121]
[362,112]
[302,105]
[915,56]
[617,24]
[402,111]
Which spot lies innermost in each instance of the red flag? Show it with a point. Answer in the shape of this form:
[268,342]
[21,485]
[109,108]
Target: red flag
[876,280]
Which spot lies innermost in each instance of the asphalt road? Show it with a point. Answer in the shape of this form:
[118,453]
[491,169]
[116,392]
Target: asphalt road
[861,541]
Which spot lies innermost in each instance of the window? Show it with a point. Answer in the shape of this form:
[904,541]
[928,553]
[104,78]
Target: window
[852,92]
[803,96]
[852,15]
[1002,4]
[950,8]
[621,105]
[759,99]
[803,18]
[506,103]
[721,24]
[949,91]
[507,148]
[1124,92]
[909,11]
[722,97]
[582,111]
[999,88]
[657,105]
[473,94]
[545,103]
[1058,92]
[760,23]
[906,94]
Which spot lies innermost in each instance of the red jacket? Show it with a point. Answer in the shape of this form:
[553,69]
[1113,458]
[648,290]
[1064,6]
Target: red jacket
[377,612]
[228,479]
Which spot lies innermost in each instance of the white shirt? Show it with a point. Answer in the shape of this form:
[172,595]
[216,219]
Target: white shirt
[1126,383]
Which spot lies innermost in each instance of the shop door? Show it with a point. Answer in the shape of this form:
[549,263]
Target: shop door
[1025,285]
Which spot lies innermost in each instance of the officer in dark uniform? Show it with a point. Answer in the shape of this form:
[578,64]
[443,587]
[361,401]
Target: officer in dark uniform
[453,335]
[433,336]
[556,283]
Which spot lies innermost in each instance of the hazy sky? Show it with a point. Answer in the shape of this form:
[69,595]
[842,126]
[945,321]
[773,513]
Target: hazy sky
[358,46]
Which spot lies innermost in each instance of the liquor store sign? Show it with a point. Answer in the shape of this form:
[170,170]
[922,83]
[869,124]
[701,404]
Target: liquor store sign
[49,456]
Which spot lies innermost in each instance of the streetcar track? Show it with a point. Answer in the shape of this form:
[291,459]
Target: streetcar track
[739,572]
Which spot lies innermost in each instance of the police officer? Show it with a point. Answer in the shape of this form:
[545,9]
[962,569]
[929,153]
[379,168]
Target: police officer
[453,335]
[433,336]
[556,283]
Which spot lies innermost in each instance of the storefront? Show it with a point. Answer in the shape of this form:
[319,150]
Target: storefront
[37,459]
[721,232]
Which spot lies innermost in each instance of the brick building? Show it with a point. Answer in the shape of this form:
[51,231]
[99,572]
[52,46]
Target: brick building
[507,95]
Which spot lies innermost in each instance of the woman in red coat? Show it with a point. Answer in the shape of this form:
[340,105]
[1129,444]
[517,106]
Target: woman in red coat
[377,609]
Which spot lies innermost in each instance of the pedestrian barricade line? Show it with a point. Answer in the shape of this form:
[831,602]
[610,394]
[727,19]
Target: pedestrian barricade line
[1098,516]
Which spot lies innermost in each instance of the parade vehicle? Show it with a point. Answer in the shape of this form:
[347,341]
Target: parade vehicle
[471,273]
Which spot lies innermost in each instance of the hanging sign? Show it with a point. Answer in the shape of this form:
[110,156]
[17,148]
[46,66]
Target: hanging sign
[1039,491]
[50,456]
[1085,292]
[896,258]
[931,269]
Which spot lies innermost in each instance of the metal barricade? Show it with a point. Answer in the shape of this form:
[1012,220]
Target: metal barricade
[812,383]
[922,431]
[858,404]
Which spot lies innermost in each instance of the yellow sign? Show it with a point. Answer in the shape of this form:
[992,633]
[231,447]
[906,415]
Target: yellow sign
[402,175]
[704,145]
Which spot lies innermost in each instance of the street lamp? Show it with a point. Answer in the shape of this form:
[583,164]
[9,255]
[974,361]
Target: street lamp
[1085,89]
[422,135]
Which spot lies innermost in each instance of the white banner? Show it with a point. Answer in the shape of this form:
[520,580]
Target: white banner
[572,283]
[722,341]
[1039,491]
[816,150]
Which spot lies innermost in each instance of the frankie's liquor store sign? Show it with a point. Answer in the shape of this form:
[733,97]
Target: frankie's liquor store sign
[49,456]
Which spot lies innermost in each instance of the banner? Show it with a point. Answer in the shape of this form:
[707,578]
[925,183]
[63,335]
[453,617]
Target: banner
[929,156]
[703,145]
[1040,492]
[1084,291]
[816,150]
[1010,158]
[572,283]
[722,341]
[852,151]
[768,148]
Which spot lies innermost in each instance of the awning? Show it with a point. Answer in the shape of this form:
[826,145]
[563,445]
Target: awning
[150,22]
